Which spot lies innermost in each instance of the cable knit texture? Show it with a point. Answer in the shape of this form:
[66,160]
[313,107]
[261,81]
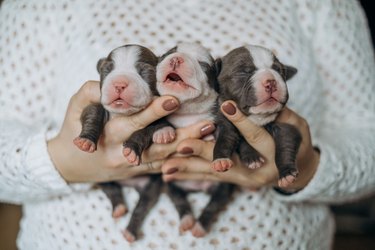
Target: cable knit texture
[48,49]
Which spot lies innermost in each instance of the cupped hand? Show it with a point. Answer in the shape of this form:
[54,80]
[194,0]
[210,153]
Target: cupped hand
[197,163]
[107,162]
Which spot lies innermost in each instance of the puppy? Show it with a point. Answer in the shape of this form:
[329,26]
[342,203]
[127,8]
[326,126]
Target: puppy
[255,79]
[128,85]
[188,72]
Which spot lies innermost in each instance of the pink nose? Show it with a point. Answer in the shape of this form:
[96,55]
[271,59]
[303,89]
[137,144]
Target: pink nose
[120,87]
[175,62]
[270,85]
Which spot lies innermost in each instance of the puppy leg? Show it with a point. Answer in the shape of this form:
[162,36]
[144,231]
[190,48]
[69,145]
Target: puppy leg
[113,191]
[93,118]
[227,138]
[249,156]
[219,199]
[148,197]
[179,199]
[287,139]
[141,140]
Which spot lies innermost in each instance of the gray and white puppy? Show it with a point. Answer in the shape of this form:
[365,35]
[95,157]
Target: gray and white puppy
[188,72]
[255,79]
[128,85]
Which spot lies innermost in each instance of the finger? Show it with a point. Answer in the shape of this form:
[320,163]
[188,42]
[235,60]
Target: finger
[190,176]
[190,168]
[250,130]
[158,108]
[88,93]
[197,130]
[255,135]
[186,164]
[196,147]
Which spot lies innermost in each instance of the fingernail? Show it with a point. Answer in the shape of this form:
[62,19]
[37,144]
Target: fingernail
[172,170]
[208,129]
[170,105]
[229,108]
[186,151]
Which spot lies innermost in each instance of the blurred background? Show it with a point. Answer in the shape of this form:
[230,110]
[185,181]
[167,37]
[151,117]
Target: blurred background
[355,222]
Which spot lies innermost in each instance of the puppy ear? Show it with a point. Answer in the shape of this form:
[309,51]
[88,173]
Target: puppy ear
[218,66]
[100,64]
[289,71]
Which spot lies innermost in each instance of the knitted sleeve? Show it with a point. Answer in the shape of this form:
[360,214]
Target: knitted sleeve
[26,101]
[345,58]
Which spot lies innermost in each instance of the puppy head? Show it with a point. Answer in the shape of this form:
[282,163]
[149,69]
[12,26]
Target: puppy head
[255,79]
[127,79]
[186,71]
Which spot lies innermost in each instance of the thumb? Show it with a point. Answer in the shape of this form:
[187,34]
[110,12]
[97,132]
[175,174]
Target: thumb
[159,107]
[255,135]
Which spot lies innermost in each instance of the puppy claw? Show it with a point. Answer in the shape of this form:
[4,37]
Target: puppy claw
[287,180]
[255,164]
[131,156]
[130,237]
[187,223]
[198,231]
[222,165]
[164,135]
[85,144]
[119,211]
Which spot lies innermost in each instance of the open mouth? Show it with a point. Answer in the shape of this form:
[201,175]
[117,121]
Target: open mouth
[175,79]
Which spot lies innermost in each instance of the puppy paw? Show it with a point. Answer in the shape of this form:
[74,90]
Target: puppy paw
[287,178]
[164,135]
[222,164]
[187,223]
[198,231]
[129,236]
[131,156]
[256,164]
[85,144]
[119,211]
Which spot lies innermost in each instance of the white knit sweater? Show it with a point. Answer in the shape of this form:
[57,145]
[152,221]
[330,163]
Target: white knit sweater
[48,49]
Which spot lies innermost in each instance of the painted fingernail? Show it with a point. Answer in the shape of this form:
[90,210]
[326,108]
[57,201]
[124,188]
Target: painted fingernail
[208,129]
[229,108]
[172,171]
[170,104]
[186,151]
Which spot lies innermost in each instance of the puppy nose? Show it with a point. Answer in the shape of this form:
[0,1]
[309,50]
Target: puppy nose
[270,85]
[120,87]
[175,62]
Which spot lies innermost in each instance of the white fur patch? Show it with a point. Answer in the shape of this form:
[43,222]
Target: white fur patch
[196,51]
[262,57]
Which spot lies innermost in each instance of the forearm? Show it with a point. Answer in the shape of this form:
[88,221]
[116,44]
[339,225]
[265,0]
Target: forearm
[27,172]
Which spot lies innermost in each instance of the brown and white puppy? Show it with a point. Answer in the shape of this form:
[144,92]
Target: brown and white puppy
[255,79]
[128,85]
[188,72]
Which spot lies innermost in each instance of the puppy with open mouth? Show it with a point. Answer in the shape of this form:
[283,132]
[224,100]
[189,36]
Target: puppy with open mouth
[255,79]
[188,72]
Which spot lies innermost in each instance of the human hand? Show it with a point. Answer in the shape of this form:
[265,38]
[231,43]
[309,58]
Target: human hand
[107,162]
[197,165]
